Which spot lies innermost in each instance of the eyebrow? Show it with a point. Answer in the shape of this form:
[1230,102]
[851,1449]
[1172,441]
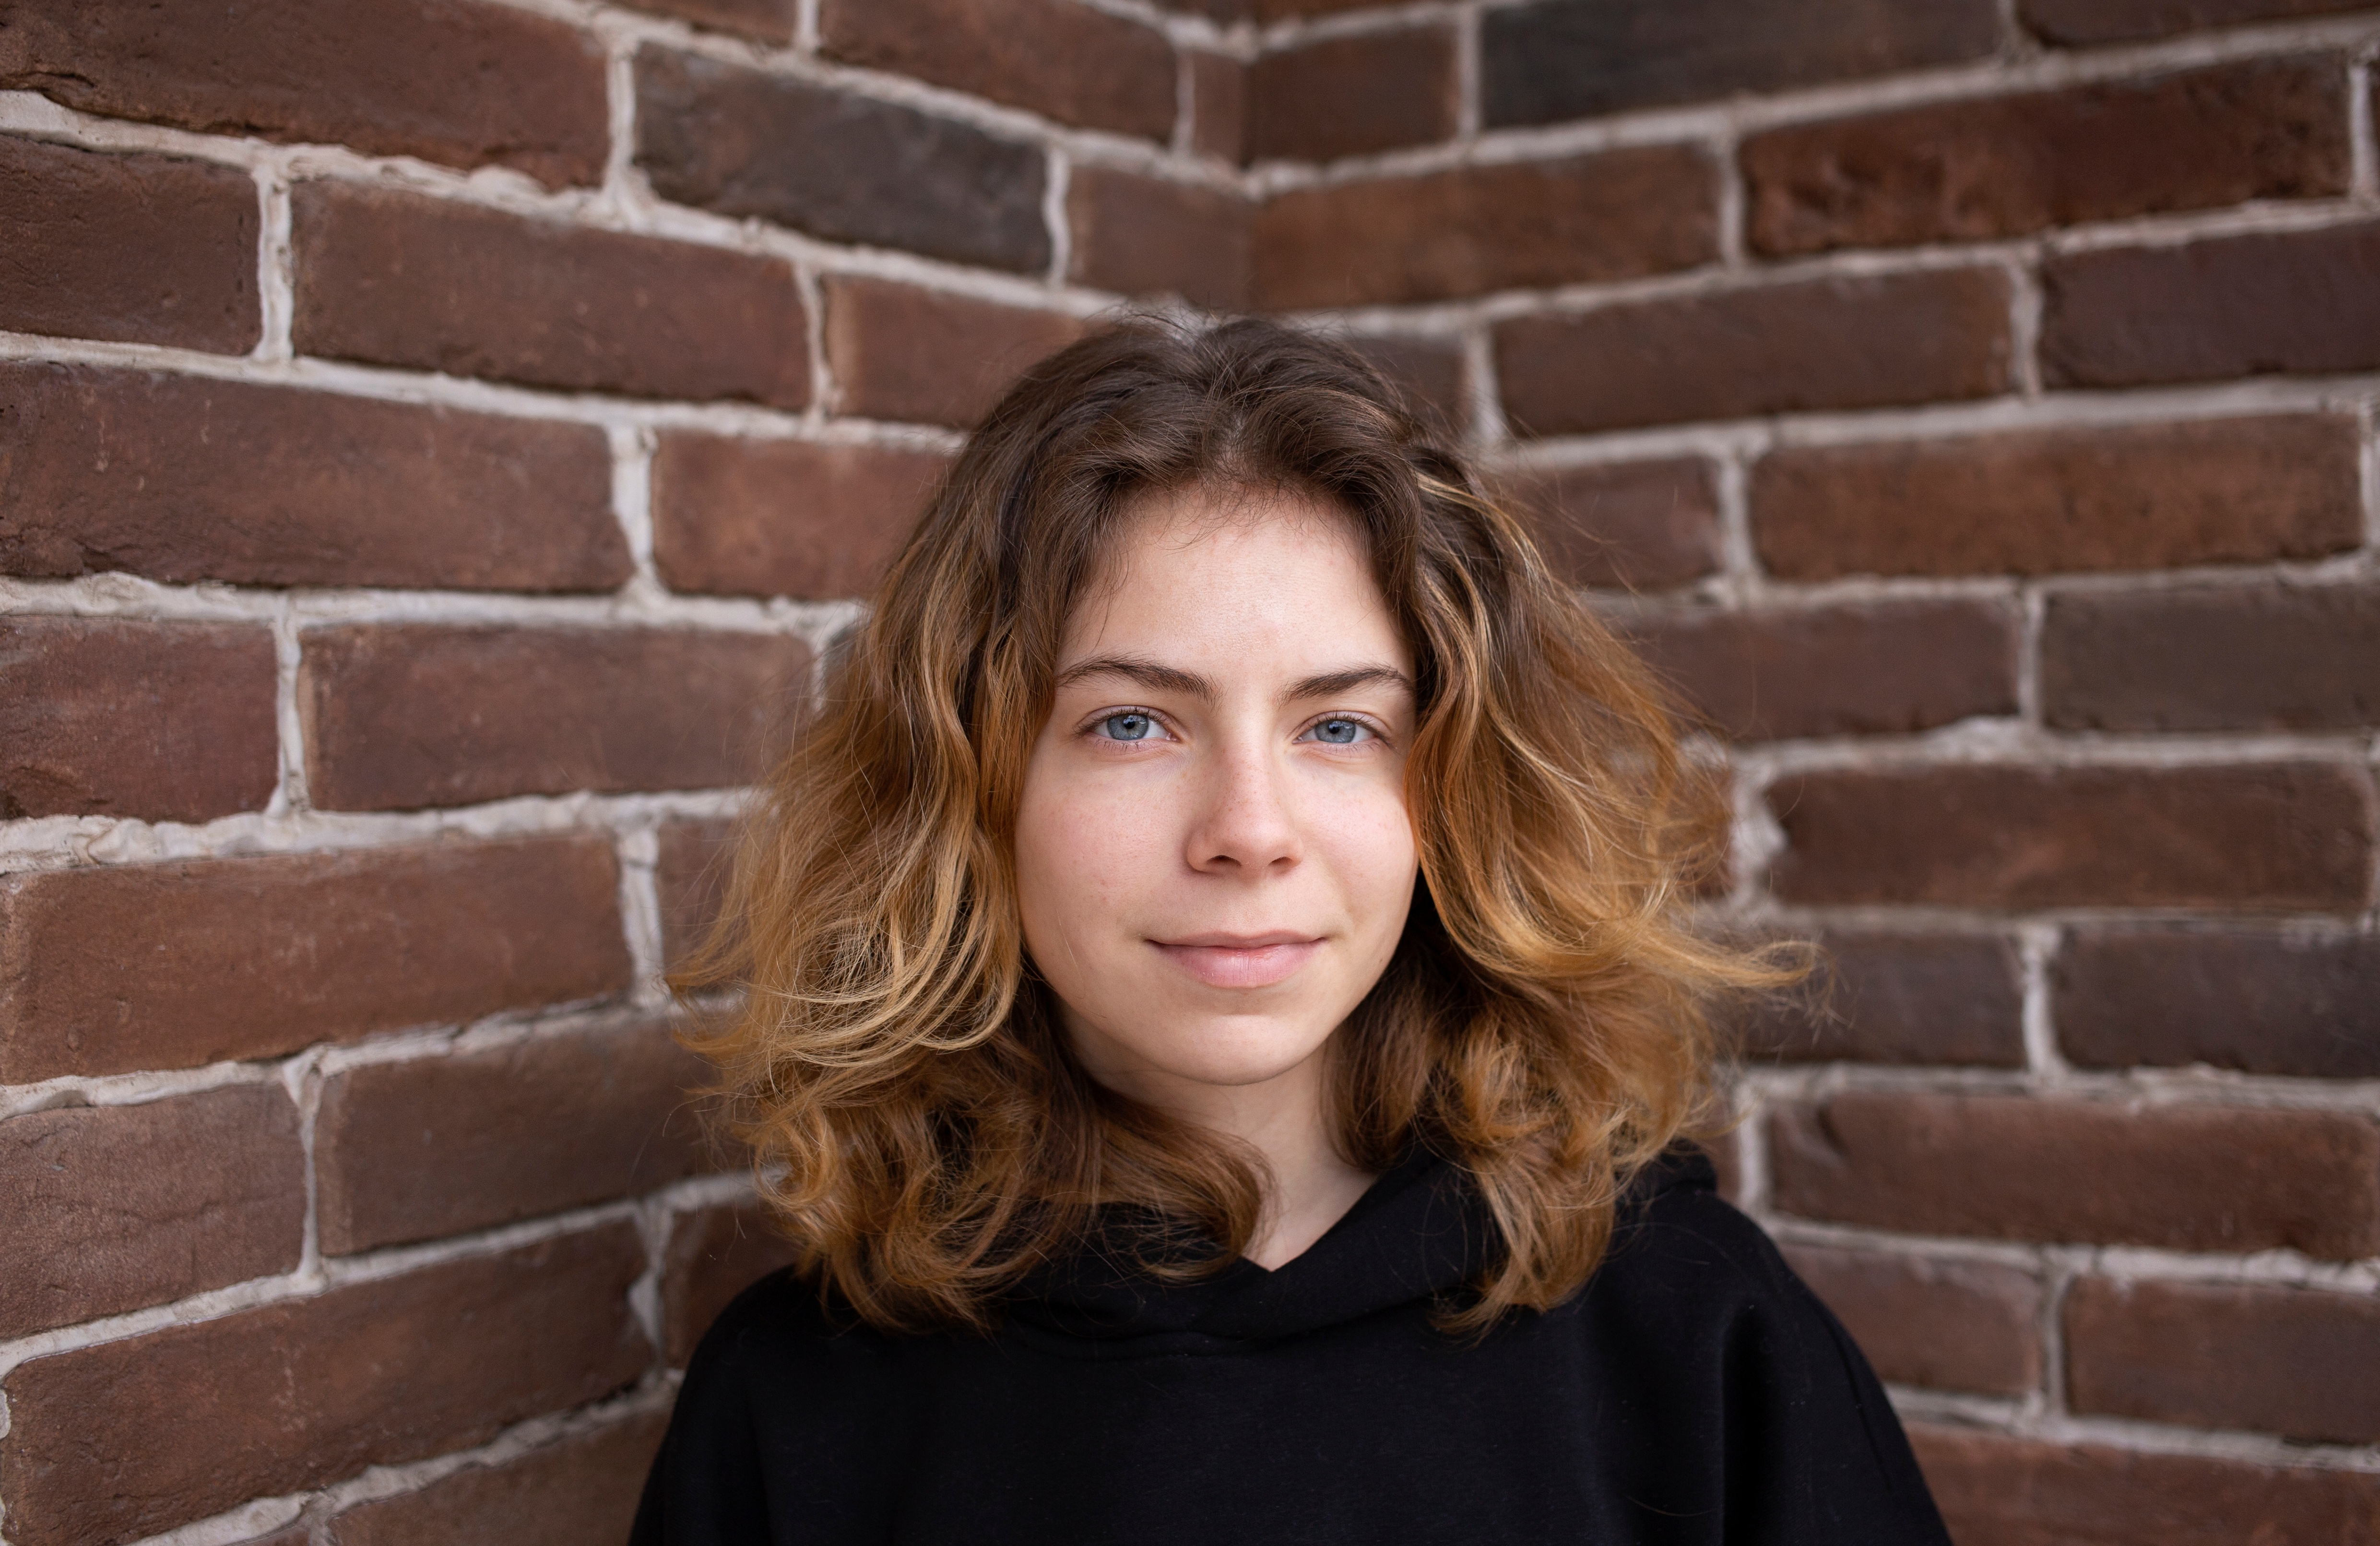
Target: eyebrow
[1160,678]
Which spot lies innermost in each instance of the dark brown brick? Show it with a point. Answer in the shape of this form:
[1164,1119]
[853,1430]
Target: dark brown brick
[1841,343]
[2004,167]
[111,969]
[929,356]
[2279,836]
[183,479]
[167,721]
[112,1208]
[2264,657]
[1854,669]
[2002,1491]
[132,1437]
[395,278]
[1726,1154]
[1618,214]
[838,165]
[452,81]
[439,1146]
[784,518]
[1352,95]
[2202,1179]
[2299,303]
[1145,236]
[2261,1002]
[2145,496]
[1063,60]
[573,1493]
[2095,21]
[1896,997]
[1219,106]
[1553,59]
[406,715]
[142,249]
[769,20]
[1948,1324]
[713,1256]
[690,872]
[2293,1361]
[1428,373]
[1636,526]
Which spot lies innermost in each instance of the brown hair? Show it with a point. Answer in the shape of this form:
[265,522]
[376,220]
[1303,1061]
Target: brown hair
[896,1067]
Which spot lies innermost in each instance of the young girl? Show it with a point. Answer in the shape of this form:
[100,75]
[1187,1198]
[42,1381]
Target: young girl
[1217,1018]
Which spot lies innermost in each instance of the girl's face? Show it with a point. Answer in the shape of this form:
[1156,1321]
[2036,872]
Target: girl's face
[1214,857]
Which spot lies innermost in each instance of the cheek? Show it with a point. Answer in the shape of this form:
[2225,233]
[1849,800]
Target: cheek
[1372,852]
[1081,853]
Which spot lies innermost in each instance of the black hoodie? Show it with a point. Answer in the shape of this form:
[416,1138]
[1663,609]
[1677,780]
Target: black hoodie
[1693,1392]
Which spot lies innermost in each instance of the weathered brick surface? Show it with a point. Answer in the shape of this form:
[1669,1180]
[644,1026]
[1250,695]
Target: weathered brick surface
[1352,95]
[1551,59]
[1857,668]
[143,249]
[2003,166]
[2145,496]
[2282,835]
[578,1490]
[394,278]
[769,20]
[128,1438]
[453,81]
[2202,1179]
[1145,236]
[1218,105]
[836,164]
[1063,60]
[2001,1492]
[782,517]
[2265,657]
[1637,526]
[1428,373]
[1836,343]
[690,874]
[165,721]
[404,716]
[929,357]
[2261,1002]
[440,1146]
[182,478]
[2098,21]
[2294,1361]
[1952,1325]
[713,1256]
[111,1208]
[1618,214]
[1883,997]
[113,969]
[2304,302]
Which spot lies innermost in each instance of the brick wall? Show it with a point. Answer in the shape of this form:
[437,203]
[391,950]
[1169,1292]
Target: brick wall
[434,439]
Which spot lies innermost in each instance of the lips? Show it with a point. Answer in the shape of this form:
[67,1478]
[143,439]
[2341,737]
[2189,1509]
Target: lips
[1223,960]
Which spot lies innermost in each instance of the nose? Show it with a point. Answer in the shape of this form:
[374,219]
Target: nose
[1245,824]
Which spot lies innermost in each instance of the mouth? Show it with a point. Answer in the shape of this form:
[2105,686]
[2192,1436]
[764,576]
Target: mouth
[1223,960]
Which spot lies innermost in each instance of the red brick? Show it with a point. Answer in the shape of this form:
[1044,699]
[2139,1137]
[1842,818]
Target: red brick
[439,1146]
[769,20]
[1145,236]
[2260,1001]
[130,1438]
[2001,1492]
[1063,60]
[784,518]
[167,721]
[142,249]
[1352,95]
[1555,59]
[1428,373]
[1854,669]
[1636,526]
[2303,302]
[713,1256]
[1618,214]
[111,969]
[183,477]
[1903,998]
[690,874]
[2202,1179]
[2142,496]
[581,1489]
[2293,1361]
[1922,1321]
[112,1208]
[2095,21]
[452,81]
[405,715]
[1726,1155]
[928,357]
[748,144]
[2291,835]
[394,278]
[2264,657]
[1219,106]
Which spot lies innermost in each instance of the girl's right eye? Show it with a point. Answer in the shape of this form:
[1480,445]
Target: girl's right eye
[1127,727]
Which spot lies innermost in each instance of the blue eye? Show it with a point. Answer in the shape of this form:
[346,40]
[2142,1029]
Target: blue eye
[1127,727]
[1340,732]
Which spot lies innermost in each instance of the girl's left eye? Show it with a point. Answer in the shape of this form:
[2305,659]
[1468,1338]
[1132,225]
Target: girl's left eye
[1339,732]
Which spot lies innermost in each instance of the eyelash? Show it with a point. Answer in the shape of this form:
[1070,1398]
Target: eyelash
[1092,727]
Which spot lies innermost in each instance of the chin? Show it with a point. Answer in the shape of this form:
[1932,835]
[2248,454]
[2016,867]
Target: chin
[1224,1050]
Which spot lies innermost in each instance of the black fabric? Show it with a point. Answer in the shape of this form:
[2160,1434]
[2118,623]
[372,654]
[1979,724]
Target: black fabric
[1693,1393]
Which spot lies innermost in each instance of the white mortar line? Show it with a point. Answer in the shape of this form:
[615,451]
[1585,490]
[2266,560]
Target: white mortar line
[275,286]
[2365,181]
[290,796]
[1468,110]
[1057,180]
[639,848]
[2037,950]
